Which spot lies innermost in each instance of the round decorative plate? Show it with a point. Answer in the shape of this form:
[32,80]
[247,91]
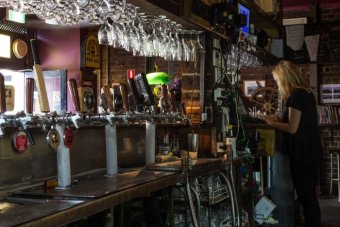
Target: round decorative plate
[19,48]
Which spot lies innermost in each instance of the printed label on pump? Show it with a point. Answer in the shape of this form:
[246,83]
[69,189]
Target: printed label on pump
[68,137]
[20,142]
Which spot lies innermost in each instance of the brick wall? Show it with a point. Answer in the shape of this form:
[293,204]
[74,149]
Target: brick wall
[325,14]
[120,60]
[328,73]
[330,15]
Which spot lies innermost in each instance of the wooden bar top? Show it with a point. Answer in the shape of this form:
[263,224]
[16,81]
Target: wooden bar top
[90,195]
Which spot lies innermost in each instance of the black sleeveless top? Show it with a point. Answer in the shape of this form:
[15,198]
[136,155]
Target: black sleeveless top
[305,145]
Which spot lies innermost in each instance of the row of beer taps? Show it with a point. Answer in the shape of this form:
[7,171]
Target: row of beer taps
[27,119]
[137,107]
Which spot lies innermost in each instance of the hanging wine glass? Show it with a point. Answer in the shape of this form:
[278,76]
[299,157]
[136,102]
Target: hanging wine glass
[82,3]
[5,3]
[103,8]
[163,46]
[143,36]
[186,51]
[153,40]
[179,50]
[192,48]
[51,5]
[104,35]
[198,43]
[114,34]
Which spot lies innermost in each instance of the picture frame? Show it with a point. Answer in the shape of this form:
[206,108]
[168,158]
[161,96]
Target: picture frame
[249,86]
[56,84]
[330,93]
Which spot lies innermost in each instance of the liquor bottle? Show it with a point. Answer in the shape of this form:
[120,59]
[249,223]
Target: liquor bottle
[231,143]
[252,38]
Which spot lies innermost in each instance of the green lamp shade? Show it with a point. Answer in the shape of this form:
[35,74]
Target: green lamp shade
[157,78]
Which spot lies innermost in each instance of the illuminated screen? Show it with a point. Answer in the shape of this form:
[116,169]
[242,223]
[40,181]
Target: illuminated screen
[5,47]
[15,16]
[244,10]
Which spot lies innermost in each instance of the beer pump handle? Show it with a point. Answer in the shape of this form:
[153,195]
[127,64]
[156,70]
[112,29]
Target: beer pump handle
[124,92]
[29,95]
[39,79]
[2,94]
[109,98]
[173,101]
[184,109]
[73,89]
[165,96]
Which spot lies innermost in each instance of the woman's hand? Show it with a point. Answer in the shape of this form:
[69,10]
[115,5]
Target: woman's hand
[270,119]
[294,116]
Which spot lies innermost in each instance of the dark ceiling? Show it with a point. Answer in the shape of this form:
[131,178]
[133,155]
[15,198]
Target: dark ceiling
[303,4]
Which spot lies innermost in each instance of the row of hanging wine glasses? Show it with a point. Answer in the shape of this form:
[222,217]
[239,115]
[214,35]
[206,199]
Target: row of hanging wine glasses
[122,25]
[147,35]
[238,58]
[70,12]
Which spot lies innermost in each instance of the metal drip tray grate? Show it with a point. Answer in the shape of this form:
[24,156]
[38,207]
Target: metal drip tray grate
[18,213]
[99,186]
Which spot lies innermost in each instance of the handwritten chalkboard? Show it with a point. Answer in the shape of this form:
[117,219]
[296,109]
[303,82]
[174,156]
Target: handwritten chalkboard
[329,47]
[299,56]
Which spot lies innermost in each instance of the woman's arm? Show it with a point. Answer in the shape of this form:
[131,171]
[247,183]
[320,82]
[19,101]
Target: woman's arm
[291,127]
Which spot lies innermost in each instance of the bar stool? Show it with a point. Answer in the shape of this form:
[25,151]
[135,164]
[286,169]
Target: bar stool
[335,151]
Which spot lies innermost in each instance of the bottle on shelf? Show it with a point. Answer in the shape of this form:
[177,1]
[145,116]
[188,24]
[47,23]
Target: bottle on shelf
[252,37]
[231,143]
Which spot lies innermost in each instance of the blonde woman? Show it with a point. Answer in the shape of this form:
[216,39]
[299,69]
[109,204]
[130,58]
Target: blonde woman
[300,127]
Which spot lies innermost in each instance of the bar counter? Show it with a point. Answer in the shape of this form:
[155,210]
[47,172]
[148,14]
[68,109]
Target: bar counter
[93,194]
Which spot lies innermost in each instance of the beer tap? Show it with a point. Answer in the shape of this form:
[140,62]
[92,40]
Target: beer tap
[173,101]
[26,120]
[165,98]
[110,136]
[125,97]
[39,79]
[2,104]
[53,136]
[185,115]
[126,113]
[66,140]
[110,116]
[168,102]
[137,97]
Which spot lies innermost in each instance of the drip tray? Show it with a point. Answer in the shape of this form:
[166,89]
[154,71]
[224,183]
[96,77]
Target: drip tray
[15,212]
[99,186]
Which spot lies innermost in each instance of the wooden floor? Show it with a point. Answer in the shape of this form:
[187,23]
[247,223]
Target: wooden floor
[282,194]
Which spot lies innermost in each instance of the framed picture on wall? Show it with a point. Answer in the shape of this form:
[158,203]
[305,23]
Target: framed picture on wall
[249,86]
[56,90]
[330,93]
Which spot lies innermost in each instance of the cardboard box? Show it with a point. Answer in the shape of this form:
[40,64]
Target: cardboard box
[259,3]
[263,209]
[269,6]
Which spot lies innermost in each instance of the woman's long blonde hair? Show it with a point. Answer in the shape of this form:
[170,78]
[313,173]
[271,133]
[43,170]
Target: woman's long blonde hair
[288,77]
